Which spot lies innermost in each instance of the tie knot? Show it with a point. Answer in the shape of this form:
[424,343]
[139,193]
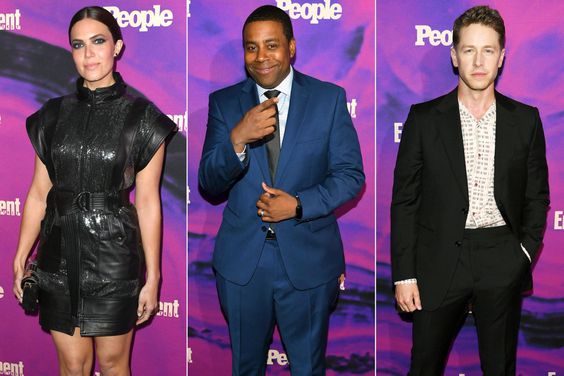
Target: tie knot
[271,93]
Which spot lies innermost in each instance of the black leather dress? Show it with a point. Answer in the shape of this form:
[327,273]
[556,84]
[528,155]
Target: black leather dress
[90,258]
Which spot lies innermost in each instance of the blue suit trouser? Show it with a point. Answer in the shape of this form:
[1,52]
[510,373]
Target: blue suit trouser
[269,298]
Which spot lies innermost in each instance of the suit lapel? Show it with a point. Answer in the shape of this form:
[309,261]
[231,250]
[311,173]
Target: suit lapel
[296,114]
[450,130]
[247,100]
[504,124]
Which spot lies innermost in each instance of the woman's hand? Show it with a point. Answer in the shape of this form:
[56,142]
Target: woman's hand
[33,213]
[148,304]
[17,288]
[148,204]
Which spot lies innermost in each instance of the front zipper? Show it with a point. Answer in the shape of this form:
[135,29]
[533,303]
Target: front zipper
[82,162]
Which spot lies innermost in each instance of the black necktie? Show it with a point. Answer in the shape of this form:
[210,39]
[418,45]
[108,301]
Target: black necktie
[273,144]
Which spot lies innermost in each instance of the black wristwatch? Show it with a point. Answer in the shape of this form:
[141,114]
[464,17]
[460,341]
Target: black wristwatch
[299,211]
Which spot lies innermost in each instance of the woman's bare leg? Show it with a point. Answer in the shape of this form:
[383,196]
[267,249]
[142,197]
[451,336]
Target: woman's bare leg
[112,353]
[75,353]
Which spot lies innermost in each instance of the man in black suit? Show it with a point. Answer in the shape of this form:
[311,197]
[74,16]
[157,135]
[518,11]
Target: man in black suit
[469,206]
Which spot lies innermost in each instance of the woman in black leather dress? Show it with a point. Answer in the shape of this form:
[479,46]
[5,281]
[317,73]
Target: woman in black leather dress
[98,255]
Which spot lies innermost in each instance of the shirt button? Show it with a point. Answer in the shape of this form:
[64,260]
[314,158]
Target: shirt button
[263,228]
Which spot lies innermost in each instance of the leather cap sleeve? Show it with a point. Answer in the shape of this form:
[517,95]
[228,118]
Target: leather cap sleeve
[40,128]
[154,129]
[36,133]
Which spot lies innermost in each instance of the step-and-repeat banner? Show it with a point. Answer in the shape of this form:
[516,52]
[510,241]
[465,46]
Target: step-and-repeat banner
[335,42]
[413,39]
[35,65]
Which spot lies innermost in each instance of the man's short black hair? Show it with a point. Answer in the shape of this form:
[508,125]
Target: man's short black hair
[271,13]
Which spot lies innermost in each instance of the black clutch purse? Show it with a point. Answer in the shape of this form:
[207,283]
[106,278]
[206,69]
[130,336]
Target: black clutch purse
[30,287]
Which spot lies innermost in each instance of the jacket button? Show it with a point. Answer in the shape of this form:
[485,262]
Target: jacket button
[458,243]
[119,238]
[263,228]
[464,210]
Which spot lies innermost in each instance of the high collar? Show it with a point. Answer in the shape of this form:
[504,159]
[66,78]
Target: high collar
[101,94]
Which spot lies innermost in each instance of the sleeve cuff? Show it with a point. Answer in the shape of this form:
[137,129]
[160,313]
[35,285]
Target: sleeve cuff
[242,155]
[526,253]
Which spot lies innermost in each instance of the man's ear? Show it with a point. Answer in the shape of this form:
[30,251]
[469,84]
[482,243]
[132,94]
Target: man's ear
[501,58]
[453,57]
[292,47]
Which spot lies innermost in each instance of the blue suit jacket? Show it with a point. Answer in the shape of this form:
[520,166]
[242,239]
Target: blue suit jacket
[320,161]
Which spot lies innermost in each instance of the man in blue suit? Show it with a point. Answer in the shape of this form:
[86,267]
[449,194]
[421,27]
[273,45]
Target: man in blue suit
[283,148]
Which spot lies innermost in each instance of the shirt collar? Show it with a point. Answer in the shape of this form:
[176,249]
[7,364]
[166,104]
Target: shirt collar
[487,115]
[285,87]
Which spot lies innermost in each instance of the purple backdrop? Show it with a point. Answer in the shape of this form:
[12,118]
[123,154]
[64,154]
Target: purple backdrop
[340,51]
[414,68]
[35,64]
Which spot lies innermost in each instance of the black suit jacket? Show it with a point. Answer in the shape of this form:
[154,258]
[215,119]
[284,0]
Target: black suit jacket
[430,195]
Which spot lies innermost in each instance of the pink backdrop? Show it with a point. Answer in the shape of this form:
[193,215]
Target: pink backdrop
[35,64]
[415,67]
[338,48]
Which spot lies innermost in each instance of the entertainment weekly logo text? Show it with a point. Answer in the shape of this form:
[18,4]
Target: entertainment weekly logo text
[10,21]
[10,208]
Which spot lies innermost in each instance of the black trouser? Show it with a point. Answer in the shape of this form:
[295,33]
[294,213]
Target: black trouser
[489,277]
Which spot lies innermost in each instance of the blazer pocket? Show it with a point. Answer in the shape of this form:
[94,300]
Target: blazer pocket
[425,234]
[311,157]
[320,223]
[425,227]
[310,140]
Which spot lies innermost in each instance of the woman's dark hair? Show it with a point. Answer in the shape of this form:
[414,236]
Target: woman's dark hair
[98,14]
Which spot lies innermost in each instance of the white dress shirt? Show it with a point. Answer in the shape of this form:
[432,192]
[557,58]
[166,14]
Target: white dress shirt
[478,137]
